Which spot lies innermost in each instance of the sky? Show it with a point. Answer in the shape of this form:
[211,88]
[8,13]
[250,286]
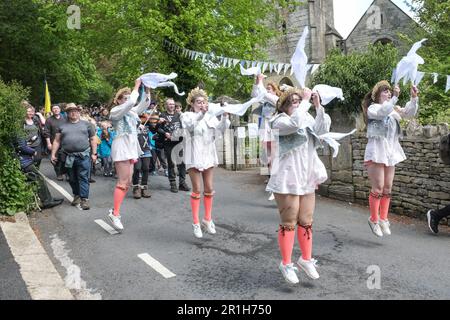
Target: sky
[348,12]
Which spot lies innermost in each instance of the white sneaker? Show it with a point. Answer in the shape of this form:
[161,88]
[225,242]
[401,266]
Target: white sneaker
[384,225]
[271,197]
[288,272]
[117,224]
[197,230]
[209,226]
[375,227]
[309,267]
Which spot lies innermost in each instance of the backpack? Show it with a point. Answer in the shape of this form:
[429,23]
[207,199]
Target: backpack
[444,149]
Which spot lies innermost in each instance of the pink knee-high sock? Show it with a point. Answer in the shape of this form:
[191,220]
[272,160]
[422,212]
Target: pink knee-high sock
[384,206]
[195,206]
[119,195]
[374,206]
[208,202]
[286,240]
[304,235]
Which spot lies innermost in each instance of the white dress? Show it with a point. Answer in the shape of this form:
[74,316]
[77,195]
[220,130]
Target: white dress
[265,134]
[299,171]
[125,119]
[200,148]
[387,150]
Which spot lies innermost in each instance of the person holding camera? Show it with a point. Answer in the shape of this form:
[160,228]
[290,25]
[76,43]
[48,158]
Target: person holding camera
[106,136]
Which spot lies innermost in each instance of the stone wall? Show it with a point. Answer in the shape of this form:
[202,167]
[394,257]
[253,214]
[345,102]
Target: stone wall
[421,182]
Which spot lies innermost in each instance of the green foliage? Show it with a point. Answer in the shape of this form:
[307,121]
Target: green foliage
[130,36]
[356,74]
[11,111]
[15,194]
[434,20]
[35,39]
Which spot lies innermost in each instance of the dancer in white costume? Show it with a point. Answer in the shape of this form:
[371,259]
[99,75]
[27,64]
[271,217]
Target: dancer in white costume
[383,150]
[200,155]
[265,111]
[125,149]
[296,173]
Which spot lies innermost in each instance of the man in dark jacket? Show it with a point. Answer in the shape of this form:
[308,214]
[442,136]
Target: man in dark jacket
[171,123]
[50,129]
[26,154]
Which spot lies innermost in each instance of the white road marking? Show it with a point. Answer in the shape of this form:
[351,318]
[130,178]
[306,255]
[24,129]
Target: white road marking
[58,187]
[38,272]
[166,273]
[106,226]
[73,279]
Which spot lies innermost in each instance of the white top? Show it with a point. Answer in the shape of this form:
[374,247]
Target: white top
[388,151]
[125,145]
[300,171]
[200,148]
[265,134]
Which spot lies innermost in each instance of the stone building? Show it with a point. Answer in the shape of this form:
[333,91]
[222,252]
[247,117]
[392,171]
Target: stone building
[381,23]
[319,16]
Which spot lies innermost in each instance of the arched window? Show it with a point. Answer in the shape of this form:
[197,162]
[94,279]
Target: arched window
[287,81]
[383,41]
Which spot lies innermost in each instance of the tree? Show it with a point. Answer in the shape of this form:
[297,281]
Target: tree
[35,40]
[132,34]
[356,73]
[15,193]
[434,20]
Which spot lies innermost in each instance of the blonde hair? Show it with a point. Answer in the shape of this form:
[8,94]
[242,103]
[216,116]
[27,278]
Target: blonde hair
[275,88]
[194,94]
[119,95]
[27,105]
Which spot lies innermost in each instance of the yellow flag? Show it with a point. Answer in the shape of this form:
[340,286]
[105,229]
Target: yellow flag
[47,103]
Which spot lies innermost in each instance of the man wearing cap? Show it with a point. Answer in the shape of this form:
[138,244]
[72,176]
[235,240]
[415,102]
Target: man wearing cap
[76,138]
[51,126]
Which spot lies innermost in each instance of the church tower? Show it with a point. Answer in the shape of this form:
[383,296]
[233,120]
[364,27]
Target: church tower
[290,20]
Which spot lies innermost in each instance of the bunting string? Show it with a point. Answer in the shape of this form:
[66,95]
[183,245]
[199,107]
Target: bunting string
[227,62]
[269,66]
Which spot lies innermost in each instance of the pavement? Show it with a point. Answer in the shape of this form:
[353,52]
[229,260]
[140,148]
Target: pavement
[157,256]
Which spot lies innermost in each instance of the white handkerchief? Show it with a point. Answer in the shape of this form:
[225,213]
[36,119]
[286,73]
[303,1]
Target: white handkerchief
[435,77]
[253,71]
[299,59]
[407,67]
[328,93]
[419,78]
[331,139]
[157,80]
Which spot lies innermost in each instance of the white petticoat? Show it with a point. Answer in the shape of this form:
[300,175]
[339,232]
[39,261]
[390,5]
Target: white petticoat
[298,172]
[125,147]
